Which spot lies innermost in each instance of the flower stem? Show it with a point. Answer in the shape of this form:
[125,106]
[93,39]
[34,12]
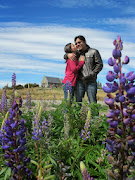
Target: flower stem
[76,156]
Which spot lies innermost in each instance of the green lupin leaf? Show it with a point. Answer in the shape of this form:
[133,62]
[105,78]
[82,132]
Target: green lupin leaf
[7,174]
[6,117]
[34,162]
[49,177]
[3,170]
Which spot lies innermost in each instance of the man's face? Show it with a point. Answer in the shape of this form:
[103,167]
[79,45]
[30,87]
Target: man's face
[80,45]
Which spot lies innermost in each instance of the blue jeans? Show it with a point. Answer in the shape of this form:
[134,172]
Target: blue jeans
[90,88]
[66,93]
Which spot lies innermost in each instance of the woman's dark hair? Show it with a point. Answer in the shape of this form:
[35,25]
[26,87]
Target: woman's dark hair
[67,48]
[82,38]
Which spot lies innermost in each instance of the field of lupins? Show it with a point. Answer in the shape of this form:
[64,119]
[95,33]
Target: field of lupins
[72,142]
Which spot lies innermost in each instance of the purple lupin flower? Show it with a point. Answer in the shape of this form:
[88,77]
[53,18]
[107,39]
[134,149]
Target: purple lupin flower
[129,74]
[84,172]
[47,129]
[107,88]
[116,53]
[121,140]
[114,86]
[69,92]
[110,76]
[69,87]
[39,127]
[131,77]
[4,101]
[109,101]
[85,133]
[37,131]
[121,98]
[13,80]
[0,108]
[131,91]
[116,68]
[123,79]
[126,60]
[110,62]
[13,142]
[12,98]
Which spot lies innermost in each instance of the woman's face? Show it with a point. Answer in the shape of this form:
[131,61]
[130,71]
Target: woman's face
[73,48]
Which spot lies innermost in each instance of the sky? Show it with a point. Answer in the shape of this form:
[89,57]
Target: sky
[33,34]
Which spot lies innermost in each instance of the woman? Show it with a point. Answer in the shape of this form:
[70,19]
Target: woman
[71,71]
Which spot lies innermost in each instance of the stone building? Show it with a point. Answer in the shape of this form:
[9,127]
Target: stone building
[50,82]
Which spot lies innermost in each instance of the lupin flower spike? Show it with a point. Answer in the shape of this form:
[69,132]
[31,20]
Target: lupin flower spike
[4,102]
[69,87]
[38,126]
[13,80]
[121,118]
[85,133]
[13,142]
[84,172]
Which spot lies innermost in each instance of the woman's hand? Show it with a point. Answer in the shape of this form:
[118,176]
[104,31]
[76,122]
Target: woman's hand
[82,58]
[71,56]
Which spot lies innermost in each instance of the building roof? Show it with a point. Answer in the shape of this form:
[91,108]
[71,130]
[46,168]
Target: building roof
[53,80]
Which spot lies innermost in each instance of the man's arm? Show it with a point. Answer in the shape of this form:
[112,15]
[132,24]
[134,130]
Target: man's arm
[98,62]
[90,72]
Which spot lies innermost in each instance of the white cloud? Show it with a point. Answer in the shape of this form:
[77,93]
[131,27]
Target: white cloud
[5,82]
[14,63]
[124,21]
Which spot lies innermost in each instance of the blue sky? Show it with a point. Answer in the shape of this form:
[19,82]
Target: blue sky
[33,34]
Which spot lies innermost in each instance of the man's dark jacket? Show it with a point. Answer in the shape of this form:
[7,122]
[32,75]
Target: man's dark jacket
[92,66]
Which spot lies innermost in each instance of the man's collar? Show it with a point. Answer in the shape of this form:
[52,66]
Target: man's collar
[84,51]
[87,48]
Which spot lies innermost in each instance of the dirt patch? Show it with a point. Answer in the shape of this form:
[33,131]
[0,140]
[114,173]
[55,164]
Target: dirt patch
[50,104]
[47,105]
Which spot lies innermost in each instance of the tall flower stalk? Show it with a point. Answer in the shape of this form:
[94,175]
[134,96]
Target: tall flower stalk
[47,130]
[68,124]
[13,141]
[84,172]
[121,118]
[14,81]
[28,99]
[3,105]
[39,131]
[69,92]
[85,135]
[13,88]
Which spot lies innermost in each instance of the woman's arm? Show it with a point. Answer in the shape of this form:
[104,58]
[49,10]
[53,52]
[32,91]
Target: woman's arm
[74,67]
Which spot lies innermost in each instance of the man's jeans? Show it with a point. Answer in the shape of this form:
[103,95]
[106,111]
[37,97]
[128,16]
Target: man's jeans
[90,88]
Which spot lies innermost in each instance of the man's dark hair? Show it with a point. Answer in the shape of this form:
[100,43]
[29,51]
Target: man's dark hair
[82,38]
[67,48]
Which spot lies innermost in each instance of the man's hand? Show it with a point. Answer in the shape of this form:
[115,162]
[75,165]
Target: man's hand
[71,56]
[82,58]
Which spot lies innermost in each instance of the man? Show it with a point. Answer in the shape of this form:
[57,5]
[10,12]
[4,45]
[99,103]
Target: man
[87,77]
